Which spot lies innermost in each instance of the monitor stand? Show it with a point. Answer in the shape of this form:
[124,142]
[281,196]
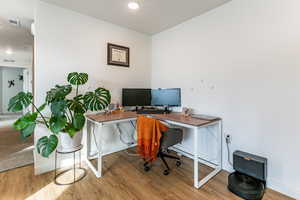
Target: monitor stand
[136,108]
[167,109]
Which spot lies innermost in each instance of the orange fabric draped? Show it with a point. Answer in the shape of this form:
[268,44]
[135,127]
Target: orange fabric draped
[149,132]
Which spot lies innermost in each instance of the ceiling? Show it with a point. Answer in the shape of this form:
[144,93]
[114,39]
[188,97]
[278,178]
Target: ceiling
[18,9]
[153,16]
[18,39]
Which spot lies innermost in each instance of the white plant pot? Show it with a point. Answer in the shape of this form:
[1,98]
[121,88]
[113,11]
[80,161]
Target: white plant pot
[68,143]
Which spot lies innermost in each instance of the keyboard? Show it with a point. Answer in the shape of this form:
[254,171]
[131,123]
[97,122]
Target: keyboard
[150,111]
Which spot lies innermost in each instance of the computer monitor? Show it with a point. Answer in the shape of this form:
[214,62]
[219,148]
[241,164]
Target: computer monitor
[166,97]
[136,97]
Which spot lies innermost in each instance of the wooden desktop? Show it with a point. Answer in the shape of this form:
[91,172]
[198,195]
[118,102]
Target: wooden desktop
[173,116]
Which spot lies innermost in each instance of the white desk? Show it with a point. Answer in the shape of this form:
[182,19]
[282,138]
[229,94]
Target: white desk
[176,119]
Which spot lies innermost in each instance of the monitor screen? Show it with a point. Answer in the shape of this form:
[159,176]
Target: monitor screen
[166,97]
[136,97]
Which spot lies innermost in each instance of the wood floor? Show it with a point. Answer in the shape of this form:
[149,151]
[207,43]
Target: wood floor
[11,142]
[14,152]
[123,179]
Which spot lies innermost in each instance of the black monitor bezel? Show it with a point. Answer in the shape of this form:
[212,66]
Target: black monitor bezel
[135,89]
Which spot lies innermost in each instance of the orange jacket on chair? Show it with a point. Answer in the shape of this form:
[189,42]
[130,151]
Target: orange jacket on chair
[149,132]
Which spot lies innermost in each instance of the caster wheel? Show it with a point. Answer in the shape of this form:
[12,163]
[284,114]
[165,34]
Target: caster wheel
[146,168]
[145,164]
[166,172]
[178,163]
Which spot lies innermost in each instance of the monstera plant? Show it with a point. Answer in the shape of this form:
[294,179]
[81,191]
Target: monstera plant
[66,114]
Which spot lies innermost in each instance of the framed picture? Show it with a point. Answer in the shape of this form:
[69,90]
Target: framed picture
[117,55]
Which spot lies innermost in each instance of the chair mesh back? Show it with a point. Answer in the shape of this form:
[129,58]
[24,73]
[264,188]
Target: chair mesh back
[171,137]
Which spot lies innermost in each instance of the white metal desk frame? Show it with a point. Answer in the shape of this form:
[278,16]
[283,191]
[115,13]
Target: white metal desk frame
[196,131]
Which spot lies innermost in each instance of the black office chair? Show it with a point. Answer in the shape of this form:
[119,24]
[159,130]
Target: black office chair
[169,138]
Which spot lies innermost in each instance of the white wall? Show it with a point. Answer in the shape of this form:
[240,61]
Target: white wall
[1,91]
[7,93]
[241,62]
[67,41]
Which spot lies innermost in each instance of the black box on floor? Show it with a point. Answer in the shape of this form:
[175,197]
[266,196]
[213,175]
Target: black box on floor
[249,179]
[251,165]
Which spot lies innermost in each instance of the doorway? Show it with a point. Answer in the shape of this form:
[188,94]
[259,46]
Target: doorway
[16,67]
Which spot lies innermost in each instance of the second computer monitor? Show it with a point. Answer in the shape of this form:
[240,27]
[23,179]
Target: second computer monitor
[166,97]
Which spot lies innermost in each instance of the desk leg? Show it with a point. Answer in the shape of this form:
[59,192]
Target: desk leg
[97,171]
[196,166]
[218,167]
[88,138]
[197,183]
[219,164]
[99,157]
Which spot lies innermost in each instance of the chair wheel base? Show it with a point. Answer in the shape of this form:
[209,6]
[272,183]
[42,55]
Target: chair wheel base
[166,172]
[178,163]
[146,168]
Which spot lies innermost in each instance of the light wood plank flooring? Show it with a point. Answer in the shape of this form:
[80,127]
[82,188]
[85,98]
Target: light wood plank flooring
[14,152]
[124,178]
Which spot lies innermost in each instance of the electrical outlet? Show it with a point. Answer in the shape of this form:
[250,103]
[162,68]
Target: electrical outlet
[228,139]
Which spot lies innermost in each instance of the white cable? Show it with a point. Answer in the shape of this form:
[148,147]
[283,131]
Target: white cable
[120,136]
[228,153]
[127,143]
[95,141]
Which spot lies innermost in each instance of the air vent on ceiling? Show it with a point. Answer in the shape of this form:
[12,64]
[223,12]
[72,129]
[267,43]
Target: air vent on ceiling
[15,22]
[9,60]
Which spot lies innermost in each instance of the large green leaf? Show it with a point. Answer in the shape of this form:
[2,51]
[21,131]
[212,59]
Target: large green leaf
[42,107]
[27,132]
[19,102]
[20,124]
[58,108]
[76,78]
[26,124]
[58,93]
[79,121]
[76,105]
[71,130]
[23,121]
[97,100]
[46,145]
[57,123]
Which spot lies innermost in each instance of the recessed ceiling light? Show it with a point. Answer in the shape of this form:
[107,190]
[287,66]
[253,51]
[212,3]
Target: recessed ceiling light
[133,5]
[9,51]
